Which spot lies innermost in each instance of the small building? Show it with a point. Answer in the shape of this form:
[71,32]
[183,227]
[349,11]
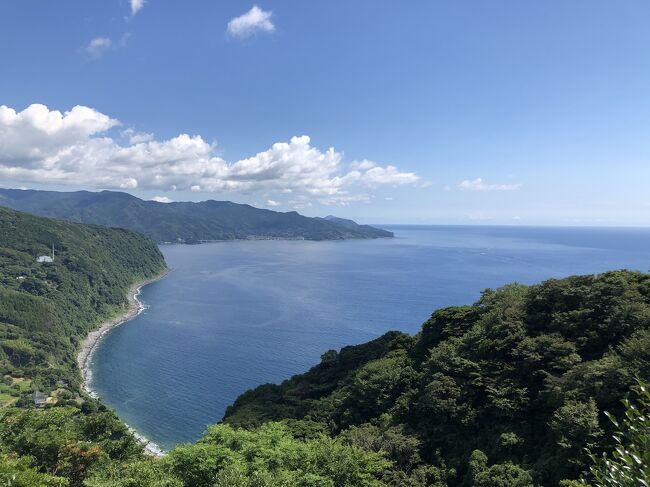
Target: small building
[40,399]
[46,258]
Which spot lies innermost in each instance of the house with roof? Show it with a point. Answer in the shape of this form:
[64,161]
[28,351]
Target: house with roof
[39,398]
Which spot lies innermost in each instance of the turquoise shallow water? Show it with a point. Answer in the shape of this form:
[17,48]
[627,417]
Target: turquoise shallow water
[234,315]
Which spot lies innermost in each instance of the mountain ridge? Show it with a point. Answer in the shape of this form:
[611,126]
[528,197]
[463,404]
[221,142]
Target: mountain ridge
[183,222]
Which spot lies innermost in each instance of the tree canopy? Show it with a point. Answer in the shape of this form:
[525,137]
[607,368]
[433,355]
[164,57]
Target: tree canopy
[522,388]
[521,378]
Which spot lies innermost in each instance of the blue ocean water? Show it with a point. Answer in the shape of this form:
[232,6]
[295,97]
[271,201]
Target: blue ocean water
[233,315]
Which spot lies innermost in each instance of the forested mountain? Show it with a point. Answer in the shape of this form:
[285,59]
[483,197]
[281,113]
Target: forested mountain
[184,221]
[506,392]
[46,309]
[503,393]
[351,224]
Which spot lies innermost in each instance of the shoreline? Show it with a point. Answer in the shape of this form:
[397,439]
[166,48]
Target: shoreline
[89,346]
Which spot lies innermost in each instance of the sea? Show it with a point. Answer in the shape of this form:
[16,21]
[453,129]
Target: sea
[234,315]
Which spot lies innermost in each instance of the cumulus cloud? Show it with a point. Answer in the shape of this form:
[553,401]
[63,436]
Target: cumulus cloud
[161,199]
[137,137]
[136,6]
[273,203]
[388,175]
[47,146]
[254,21]
[479,185]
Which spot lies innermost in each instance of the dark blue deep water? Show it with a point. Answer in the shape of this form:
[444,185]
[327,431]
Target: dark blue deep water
[234,315]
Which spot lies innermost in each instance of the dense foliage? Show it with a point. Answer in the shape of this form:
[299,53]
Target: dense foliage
[628,465]
[47,308]
[45,311]
[508,391]
[511,391]
[186,222]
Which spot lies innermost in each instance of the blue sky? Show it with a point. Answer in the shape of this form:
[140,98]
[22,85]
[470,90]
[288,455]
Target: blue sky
[507,112]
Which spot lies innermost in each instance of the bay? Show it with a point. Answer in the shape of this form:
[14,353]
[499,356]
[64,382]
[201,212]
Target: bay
[233,315]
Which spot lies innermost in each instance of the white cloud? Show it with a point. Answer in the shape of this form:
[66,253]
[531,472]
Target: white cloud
[136,6]
[137,137]
[479,185]
[129,183]
[47,146]
[98,46]
[161,199]
[254,21]
[388,175]
[273,203]
[361,165]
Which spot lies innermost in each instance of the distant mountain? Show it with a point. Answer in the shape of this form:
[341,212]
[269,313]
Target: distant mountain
[187,222]
[342,221]
[351,224]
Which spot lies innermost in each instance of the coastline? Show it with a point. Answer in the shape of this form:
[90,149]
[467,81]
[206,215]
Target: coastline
[94,337]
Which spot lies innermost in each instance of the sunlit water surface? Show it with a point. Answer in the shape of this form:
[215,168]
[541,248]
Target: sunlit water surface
[234,315]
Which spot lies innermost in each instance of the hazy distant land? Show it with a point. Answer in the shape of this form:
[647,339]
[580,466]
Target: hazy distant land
[184,222]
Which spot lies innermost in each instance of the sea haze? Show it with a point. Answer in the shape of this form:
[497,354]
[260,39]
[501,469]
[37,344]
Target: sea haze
[234,315]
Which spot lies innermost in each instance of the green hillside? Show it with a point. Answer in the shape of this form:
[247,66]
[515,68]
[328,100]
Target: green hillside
[507,392]
[184,221]
[47,308]
[518,382]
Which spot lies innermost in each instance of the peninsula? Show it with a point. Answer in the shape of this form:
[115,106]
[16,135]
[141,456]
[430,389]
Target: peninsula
[183,222]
